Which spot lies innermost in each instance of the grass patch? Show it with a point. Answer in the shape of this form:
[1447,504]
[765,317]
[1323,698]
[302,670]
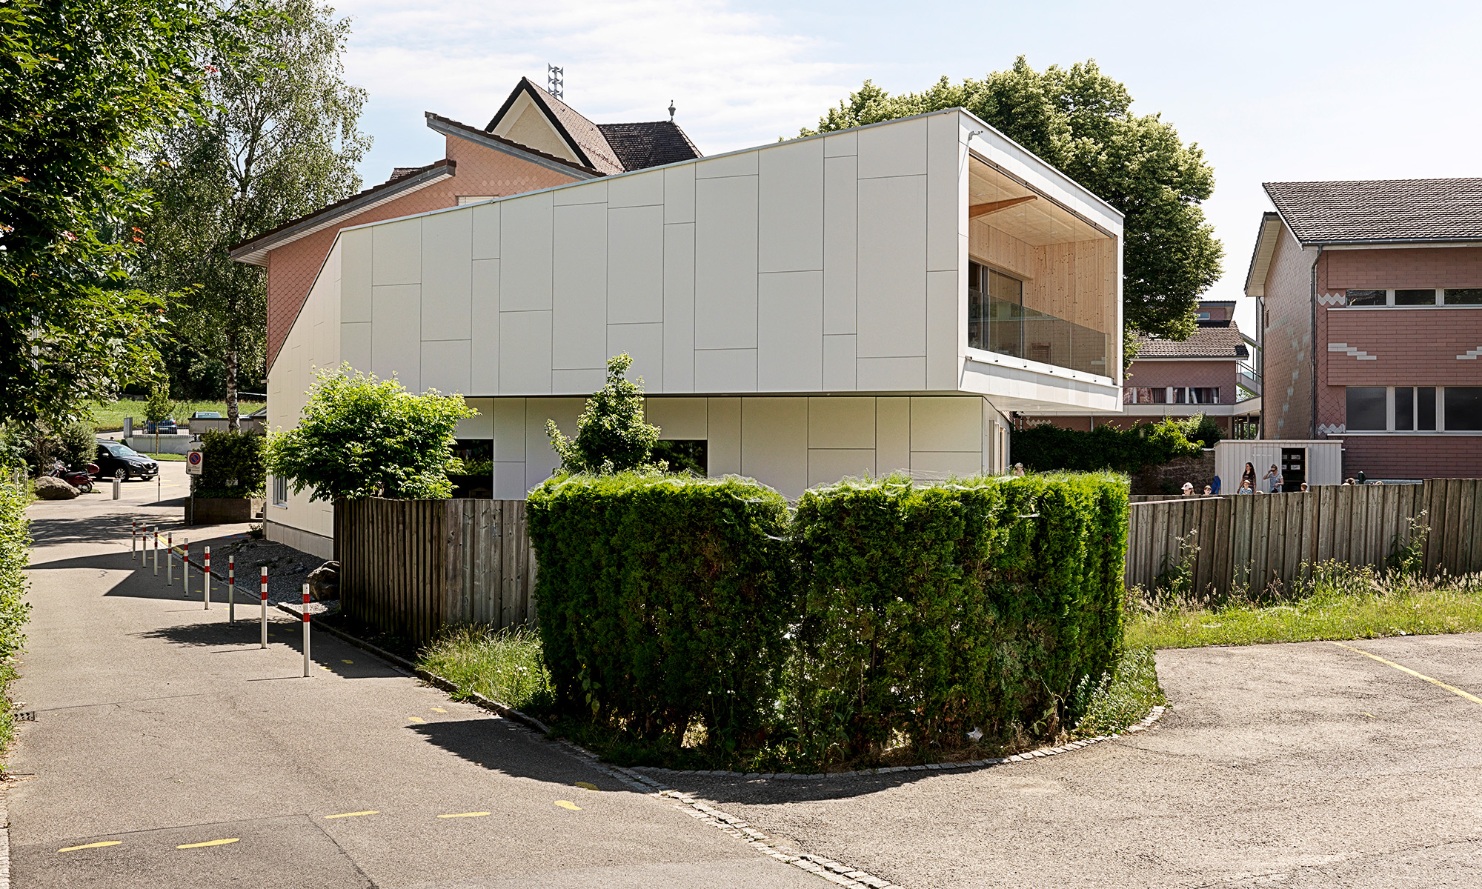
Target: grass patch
[165,458]
[109,417]
[504,665]
[1336,601]
[1123,698]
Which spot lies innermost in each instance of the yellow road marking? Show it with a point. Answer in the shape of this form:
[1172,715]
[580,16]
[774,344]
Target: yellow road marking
[345,660]
[416,719]
[566,804]
[438,710]
[586,785]
[1403,669]
[91,846]
[226,842]
[465,815]
[352,814]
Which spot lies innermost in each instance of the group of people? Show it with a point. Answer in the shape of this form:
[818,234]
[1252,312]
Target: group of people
[1270,483]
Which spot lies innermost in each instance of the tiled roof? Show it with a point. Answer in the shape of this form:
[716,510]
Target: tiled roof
[448,123]
[652,144]
[1211,339]
[1379,210]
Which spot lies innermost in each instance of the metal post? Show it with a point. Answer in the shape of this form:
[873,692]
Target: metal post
[156,549]
[133,540]
[264,606]
[117,482]
[169,558]
[306,631]
[231,589]
[185,567]
[206,595]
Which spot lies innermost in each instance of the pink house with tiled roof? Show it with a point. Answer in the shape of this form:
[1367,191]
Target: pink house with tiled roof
[1371,300]
[535,141]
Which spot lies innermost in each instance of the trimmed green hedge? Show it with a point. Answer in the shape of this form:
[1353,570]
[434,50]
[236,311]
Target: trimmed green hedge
[1047,448]
[883,614]
[233,465]
[662,601]
[933,611]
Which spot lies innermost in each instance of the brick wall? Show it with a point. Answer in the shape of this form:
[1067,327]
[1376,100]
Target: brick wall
[1160,373]
[1400,268]
[1413,456]
[481,172]
[1286,407]
[1402,347]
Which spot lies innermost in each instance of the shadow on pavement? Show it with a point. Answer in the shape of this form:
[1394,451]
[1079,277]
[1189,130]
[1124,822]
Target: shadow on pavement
[54,531]
[502,746]
[326,652]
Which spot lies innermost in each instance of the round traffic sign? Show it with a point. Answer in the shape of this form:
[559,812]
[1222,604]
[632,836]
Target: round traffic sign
[194,458]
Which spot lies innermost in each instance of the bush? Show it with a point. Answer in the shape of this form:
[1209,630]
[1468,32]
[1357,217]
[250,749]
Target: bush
[1049,448]
[662,602]
[611,434]
[77,444]
[233,465]
[934,611]
[159,407]
[15,549]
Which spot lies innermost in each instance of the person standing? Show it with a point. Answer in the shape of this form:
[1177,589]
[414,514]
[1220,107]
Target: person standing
[1272,478]
[1249,476]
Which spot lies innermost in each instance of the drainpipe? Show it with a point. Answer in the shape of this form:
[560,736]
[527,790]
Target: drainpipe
[1312,422]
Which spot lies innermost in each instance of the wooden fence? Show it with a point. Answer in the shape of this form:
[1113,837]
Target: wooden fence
[411,567]
[1256,541]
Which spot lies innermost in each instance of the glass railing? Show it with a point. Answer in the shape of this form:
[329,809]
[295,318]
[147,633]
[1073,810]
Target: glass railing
[1011,329]
[1249,380]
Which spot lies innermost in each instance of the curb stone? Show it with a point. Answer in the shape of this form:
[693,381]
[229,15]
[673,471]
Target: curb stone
[4,836]
[644,779]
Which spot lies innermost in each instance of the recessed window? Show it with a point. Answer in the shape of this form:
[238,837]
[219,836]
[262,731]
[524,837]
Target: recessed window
[1367,409]
[1204,395]
[1464,296]
[280,491]
[1415,297]
[1368,297]
[690,455]
[1463,408]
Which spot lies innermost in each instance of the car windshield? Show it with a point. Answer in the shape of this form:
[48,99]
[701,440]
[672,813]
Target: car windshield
[119,450]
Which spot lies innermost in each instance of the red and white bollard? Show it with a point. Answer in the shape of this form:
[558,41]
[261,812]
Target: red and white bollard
[133,539]
[169,558]
[206,595]
[264,606]
[156,548]
[185,567]
[306,631]
[231,589]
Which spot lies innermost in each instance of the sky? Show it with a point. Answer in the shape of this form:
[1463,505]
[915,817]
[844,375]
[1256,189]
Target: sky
[1270,91]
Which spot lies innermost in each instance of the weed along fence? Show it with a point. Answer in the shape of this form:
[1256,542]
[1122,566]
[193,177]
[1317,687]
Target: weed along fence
[1253,542]
[412,567]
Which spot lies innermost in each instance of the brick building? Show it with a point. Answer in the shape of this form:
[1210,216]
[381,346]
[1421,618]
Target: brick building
[1371,305]
[1215,372]
[535,141]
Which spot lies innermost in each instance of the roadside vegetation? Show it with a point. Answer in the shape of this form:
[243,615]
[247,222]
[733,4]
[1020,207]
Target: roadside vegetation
[502,665]
[109,416]
[15,544]
[1335,601]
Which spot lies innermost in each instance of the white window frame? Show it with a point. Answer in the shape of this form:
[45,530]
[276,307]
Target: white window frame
[280,492]
[1389,297]
[1389,413]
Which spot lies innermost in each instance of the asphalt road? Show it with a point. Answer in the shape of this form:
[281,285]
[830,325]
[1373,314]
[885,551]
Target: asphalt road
[170,750]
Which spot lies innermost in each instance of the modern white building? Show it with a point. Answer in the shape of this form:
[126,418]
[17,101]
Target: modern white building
[867,301]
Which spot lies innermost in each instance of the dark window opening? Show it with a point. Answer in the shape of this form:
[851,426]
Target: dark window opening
[1465,296]
[1415,297]
[684,455]
[476,481]
[1463,408]
[1366,409]
[1366,297]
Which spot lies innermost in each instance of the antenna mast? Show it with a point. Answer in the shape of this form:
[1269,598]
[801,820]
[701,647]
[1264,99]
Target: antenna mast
[555,79]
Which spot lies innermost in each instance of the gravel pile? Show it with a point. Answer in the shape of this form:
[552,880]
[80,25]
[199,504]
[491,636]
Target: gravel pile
[288,569]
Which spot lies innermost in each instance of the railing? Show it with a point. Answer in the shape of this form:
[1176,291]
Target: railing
[1249,380]
[1011,329]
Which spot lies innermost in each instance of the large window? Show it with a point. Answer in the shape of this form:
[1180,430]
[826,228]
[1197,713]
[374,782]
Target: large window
[1463,296]
[1414,409]
[995,311]
[1425,296]
[280,491]
[1171,395]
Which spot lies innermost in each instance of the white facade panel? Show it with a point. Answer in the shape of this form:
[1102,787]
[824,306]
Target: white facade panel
[892,435]
[507,417]
[526,227]
[645,343]
[484,326]
[841,422]
[840,243]
[509,480]
[638,190]
[679,418]
[890,374]
[725,263]
[725,436]
[946,191]
[396,333]
[447,269]
[774,442]
[679,307]
[485,230]
[679,194]
[845,144]
[355,345]
[446,366]
[524,350]
[790,207]
[594,193]
[355,275]
[946,338]
[725,370]
[743,163]
[826,466]
[540,458]
[577,380]
[946,424]
[397,252]
[481,424]
[935,465]
[790,332]
[579,300]
[635,264]
[838,363]
[898,150]
[891,309]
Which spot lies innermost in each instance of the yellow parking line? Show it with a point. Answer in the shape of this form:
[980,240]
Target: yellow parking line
[226,842]
[416,719]
[567,804]
[1403,669]
[438,710]
[352,814]
[586,785]
[465,815]
[91,846]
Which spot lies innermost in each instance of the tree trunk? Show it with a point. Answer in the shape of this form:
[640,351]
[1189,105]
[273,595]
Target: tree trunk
[233,413]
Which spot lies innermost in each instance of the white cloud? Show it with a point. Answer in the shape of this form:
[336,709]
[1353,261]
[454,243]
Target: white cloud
[737,78]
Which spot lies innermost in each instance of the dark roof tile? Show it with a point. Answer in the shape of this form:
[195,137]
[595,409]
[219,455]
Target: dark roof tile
[1211,339]
[650,144]
[1380,210]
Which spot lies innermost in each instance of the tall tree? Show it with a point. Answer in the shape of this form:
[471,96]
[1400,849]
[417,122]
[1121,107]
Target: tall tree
[1080,121]
[279,139]
[83,81]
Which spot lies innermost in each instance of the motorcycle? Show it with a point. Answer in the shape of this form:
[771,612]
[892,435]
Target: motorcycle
[80,479]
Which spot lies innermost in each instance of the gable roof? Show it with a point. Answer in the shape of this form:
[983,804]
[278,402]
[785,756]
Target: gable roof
[610,147]
[404,180]
[1380,210]
[449,127]
[1211,339]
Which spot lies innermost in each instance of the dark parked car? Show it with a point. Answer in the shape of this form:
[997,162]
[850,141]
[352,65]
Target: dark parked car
[117,460]
[163,427]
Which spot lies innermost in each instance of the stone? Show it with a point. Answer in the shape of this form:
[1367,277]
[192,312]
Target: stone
[324,582]
[48,488]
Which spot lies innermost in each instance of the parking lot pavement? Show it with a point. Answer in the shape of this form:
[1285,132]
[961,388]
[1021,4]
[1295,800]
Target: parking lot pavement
[1292,765]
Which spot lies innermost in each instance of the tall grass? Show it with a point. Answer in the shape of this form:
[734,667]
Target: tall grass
[15,551]
[504,665]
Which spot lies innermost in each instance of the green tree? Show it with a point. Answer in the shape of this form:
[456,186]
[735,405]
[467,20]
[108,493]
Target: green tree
[83,80]
[363,437]
[279,139]
[611,435]
[1080,121]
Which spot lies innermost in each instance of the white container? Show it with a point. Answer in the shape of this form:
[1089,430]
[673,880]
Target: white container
[1314,461]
